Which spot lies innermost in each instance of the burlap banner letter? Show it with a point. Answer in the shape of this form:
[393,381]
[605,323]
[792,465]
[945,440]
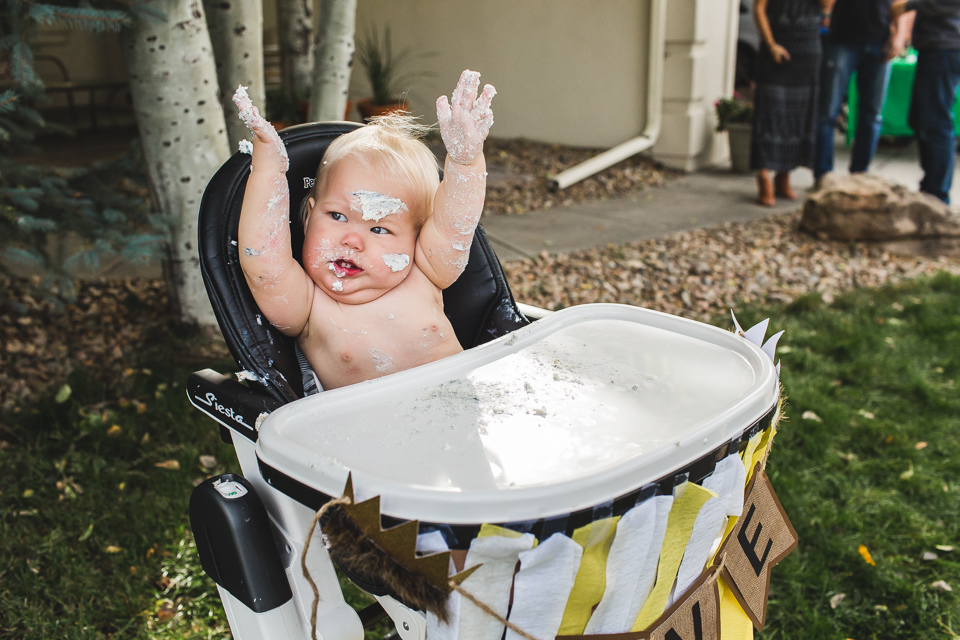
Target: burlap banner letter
[762,537]
[695,617]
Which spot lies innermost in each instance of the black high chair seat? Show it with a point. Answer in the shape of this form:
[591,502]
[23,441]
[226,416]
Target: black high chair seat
[479,304]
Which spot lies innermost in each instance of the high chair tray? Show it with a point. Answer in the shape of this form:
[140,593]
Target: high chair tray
[572,411]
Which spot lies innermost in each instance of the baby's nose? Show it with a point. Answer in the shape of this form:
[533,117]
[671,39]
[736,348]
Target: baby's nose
[353,240]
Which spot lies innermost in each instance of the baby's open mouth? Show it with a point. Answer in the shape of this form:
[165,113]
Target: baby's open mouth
[344,268]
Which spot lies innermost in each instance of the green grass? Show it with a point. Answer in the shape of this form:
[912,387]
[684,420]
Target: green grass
[96,542]
[95,536]
[881,369]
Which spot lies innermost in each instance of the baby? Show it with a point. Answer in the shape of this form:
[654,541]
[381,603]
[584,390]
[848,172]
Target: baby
[383,238]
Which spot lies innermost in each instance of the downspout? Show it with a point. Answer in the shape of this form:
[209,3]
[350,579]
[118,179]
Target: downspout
[610,157]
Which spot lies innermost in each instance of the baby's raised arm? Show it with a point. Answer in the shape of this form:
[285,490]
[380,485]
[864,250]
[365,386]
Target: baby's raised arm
[282,289]
[444,243]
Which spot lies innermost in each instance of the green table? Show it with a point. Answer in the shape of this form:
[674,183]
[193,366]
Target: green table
[896,107]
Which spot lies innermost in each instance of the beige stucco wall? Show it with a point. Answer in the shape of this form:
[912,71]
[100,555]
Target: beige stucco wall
[566,71]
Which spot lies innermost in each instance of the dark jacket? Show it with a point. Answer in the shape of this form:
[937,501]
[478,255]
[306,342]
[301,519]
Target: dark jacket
[937,25]
[860,22]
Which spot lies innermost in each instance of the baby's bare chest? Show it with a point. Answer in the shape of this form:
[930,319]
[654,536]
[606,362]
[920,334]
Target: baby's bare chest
[351,343]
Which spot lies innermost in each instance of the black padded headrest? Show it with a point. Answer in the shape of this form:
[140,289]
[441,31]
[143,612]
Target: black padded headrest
[479,304]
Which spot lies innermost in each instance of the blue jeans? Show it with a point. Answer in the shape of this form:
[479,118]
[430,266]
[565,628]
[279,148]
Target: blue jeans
[931,117]
[873,72]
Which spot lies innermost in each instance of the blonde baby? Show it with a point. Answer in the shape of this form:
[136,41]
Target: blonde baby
[382,238]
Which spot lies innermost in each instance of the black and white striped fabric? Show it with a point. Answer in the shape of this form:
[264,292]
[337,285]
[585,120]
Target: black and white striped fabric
[311,383]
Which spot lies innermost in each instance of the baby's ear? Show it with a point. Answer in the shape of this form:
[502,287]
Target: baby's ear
[311,203]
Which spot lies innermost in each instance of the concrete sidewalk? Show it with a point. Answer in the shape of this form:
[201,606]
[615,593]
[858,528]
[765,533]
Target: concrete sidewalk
[698,200]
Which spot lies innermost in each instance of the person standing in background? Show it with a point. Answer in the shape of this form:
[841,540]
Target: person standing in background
[936,37]
[785,100]
[862,38]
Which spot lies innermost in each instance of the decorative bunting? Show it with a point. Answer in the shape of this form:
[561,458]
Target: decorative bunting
[731,594]
[696,616]
[686,508]
[596,539]
[762,537]
[734,623]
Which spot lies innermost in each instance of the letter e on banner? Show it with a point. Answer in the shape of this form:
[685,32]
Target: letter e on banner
[762,537]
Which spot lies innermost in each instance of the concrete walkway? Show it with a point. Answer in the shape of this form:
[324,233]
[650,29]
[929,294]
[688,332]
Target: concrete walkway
[698,200]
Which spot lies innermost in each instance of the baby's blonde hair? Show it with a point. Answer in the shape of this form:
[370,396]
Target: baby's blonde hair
[392,145]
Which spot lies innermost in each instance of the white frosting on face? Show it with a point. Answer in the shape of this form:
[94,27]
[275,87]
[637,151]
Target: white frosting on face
[337,286]
[375,206]
[396,261]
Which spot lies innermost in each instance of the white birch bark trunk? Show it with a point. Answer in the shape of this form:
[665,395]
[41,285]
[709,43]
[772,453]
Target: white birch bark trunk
[295,31]
[173,82]
[333,59]
[236,32]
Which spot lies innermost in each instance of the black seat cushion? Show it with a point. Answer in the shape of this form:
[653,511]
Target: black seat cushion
[480,305]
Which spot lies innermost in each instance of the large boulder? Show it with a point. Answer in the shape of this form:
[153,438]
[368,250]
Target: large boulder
[869,207]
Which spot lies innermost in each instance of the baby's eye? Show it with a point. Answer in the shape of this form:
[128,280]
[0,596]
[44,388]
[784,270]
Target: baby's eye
[380,230]
[338,216]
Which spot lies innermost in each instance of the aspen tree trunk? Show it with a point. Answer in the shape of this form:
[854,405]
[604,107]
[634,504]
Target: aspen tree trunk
[295,31]
[236,32]
[173,82]
[333,59]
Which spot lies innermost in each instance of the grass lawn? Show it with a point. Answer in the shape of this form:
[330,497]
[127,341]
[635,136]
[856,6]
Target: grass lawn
[94,485]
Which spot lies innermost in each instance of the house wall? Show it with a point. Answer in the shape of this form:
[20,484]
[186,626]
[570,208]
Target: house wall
[573,72]
[567,71]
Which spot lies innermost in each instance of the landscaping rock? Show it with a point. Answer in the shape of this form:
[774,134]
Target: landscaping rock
[870,207]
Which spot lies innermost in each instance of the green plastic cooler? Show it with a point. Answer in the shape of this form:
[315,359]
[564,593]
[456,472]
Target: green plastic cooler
[896,107]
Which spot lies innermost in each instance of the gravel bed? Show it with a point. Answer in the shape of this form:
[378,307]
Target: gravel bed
[519,174]
[699,274]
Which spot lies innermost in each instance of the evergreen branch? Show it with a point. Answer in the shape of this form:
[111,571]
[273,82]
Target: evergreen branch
[97,20]
[7,42]
[141,10]
[21,63]
[8,101]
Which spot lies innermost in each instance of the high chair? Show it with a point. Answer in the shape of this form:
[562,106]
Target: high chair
[537,428]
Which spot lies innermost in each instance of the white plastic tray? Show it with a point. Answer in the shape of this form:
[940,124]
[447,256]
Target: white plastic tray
[572,411]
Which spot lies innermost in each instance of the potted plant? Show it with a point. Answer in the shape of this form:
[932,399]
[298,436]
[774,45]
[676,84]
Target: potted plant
[385,72]
[735,115]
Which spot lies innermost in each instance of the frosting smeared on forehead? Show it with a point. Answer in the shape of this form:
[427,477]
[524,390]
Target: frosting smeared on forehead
[375,206]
